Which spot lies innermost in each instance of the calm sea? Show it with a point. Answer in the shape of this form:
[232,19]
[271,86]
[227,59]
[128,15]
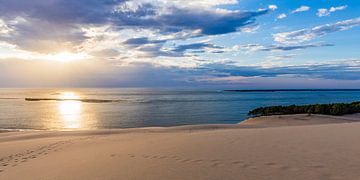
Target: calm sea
[84,109]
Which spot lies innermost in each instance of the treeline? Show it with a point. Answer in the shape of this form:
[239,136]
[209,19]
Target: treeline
[336,109]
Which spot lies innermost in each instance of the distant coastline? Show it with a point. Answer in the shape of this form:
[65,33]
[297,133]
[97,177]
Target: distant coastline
[289,90]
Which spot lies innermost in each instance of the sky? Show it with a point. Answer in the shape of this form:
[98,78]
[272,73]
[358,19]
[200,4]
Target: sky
[242,44]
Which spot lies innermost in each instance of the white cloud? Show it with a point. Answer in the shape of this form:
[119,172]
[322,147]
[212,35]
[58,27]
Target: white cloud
[205,3]
[281,16]
[322,12]
[249,29]
[248,48]
[326,12]
[4,28]
[303,35]
[273,7]
[301,9]
[333,9]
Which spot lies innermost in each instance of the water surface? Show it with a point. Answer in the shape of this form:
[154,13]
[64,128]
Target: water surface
[61,109]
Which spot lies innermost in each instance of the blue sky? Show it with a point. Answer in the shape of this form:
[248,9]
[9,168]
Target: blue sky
[178,43]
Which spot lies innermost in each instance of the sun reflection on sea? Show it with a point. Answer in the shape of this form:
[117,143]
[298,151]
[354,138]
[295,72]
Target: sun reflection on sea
[70,110]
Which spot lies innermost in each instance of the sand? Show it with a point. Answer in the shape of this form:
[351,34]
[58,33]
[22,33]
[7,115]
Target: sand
[252,150]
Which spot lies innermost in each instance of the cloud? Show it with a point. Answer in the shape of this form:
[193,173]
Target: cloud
[281,57]
[98,73]
[4,28]
[136,42]
[155,48]
[281,16]
[259,47]
[59,24]
[272,7]
[208,22]
[338,70]
[318,31]
[326,12]
[295,47]
[196,3]
[196,46]
[300,9]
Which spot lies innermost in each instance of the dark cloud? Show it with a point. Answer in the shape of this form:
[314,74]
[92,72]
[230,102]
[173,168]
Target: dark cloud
[209,22]
[60,11]
[53,25]
[195,46]
[154,48]
[61,21]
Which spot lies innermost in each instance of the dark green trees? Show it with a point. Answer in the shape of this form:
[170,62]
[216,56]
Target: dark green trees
[329,109]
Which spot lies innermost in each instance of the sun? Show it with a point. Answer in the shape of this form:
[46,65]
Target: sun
[67,56]
[68,96]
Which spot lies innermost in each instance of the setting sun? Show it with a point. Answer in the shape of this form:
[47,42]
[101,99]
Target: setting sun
[180,89]
[68,96]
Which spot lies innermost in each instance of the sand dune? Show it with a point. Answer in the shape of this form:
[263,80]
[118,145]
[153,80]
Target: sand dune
[326,151]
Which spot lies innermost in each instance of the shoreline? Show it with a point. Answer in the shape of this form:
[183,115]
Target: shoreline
[251,122]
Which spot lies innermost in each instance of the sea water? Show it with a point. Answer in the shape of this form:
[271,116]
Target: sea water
[64,109]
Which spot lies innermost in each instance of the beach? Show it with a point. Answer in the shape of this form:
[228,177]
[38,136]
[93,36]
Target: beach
[179,90]
[250,150]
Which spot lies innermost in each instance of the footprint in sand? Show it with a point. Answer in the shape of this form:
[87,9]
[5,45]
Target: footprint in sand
[237,162]
[197,161]
[245,165]
[185,160]
[284,167]
[317,166]
[132,155]
[217,164]
[15,159]
[271,164]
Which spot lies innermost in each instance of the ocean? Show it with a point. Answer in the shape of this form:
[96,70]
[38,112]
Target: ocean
[67,109]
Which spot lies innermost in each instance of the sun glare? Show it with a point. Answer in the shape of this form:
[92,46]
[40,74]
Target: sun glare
[68,96]
[70,110]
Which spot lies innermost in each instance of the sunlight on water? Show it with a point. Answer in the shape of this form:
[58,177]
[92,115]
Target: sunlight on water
[70,110]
